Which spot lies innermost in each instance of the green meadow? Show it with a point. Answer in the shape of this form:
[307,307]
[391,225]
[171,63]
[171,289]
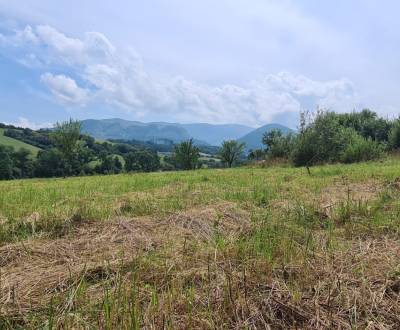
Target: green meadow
[7,141]
[240,248]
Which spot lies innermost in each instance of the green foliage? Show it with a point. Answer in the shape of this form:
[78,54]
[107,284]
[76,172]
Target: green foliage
[326,139]
[186,155]
[256,154]
[50,163]
[66,136]
[231,151]
[142,161]
[278,145]
[394,135]
[361,149]
[23,164]
[367,124]
[6,163]
[109,165]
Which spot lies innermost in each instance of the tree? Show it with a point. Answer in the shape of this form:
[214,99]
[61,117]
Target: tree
[142,160]
[109,165]
[269,138]
[186,155]
[23,163]
[50,163]
[66,136]
[367,124]
[256,154]
[6,163]
[394,135]
[231,151]
[277,144]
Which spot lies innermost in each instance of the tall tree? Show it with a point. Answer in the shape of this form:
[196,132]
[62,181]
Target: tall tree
[231,151]
[186,155]
[23,163]
[66,137]
[142,160]
[6,163]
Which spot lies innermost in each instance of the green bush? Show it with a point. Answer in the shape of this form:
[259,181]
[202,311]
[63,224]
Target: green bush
[326,140]
[394,135]
[321,141]
[360,149]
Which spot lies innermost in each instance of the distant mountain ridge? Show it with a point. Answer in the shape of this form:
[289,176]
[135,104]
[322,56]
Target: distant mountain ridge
[133,130]
[202,133]
[253,140]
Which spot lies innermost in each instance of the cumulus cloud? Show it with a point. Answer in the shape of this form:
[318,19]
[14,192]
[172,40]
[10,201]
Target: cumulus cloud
[119,78]
[65,89]
[26,123]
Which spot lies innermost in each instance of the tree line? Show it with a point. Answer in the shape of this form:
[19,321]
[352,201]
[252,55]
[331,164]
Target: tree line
[323,137]
[65,151]
[328,137]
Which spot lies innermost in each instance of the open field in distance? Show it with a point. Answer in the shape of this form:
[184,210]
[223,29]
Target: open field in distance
[7,141]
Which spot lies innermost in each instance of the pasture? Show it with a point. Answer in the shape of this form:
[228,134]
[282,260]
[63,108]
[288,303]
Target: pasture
[242,248]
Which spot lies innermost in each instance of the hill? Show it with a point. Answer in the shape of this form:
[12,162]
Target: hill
[5,140]
[202,133]
[253,139]
[133,130]
[216,134]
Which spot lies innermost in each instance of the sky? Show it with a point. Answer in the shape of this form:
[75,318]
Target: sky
[249,62]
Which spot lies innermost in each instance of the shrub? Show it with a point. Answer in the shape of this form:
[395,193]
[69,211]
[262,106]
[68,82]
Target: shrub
[361,149]
[394,135]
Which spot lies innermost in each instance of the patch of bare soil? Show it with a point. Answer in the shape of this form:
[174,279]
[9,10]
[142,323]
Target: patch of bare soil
[33,271]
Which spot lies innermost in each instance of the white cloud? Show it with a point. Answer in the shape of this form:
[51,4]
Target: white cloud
[119,78]
[26,123]
[65,89]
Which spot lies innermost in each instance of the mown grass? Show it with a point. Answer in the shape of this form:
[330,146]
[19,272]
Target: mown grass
[7,141]
[300,265]
[98,197]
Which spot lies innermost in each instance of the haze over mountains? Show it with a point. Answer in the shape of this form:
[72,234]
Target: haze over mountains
[202,133]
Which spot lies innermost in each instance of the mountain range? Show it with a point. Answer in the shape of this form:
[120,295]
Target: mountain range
[253,140]
[202,133]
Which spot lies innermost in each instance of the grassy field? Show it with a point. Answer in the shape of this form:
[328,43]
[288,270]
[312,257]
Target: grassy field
[5,140]
[242,248]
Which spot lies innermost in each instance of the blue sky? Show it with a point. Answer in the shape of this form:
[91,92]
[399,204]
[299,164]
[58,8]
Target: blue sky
[229,61]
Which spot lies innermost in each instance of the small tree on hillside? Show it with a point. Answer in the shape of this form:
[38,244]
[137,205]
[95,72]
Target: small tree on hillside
[231,151]
[186,155]
[66,137]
